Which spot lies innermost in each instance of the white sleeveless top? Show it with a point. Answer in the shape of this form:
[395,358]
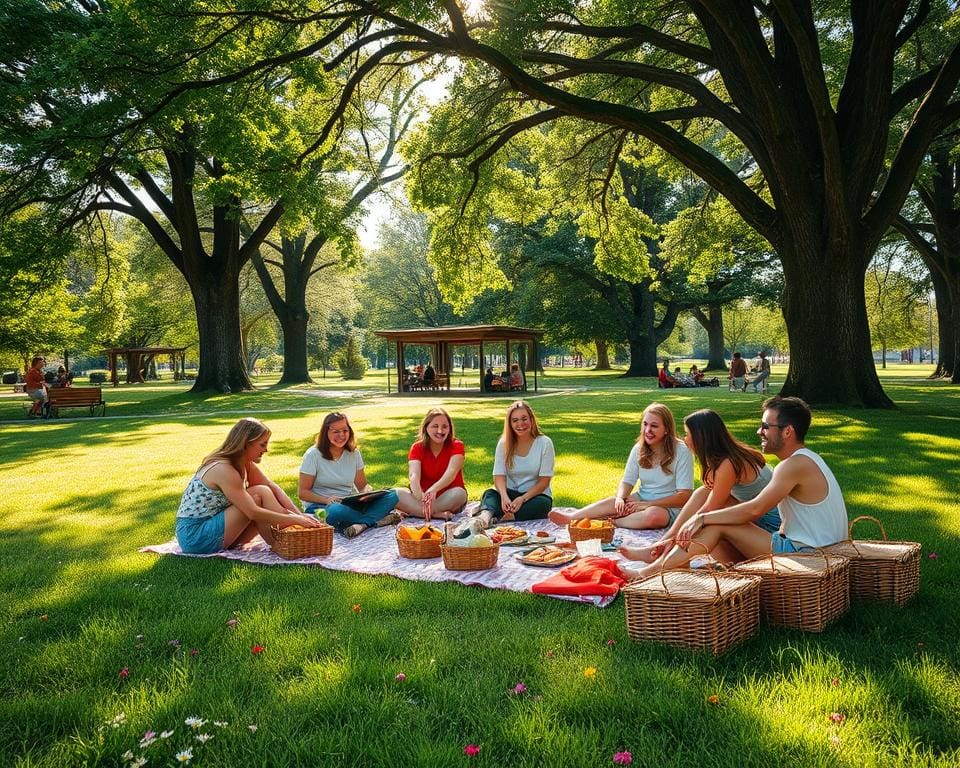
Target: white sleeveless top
[819,524]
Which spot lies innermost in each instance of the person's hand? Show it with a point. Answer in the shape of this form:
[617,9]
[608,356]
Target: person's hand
[306,520]
[427,508]
[689,529]
[635,505]
[334,500]
[619,506]
[506,503]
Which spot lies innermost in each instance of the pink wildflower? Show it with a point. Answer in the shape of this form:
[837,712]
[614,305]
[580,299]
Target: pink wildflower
[836,717]
[400,677]
[622,758]
[231,623]
[124,673]
[257,650]
[471,750]
[933,555]
[610,643]
[519,689]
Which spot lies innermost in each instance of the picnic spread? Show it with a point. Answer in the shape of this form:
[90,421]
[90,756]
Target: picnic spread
[591,580]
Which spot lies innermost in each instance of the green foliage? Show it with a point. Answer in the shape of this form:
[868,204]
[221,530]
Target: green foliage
[349,361]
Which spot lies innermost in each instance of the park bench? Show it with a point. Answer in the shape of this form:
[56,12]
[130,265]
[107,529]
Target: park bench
[75,397]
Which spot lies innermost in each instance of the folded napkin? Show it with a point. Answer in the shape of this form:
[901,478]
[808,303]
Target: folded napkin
[588,576]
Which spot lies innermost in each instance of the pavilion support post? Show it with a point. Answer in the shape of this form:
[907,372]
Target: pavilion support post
[114,376]
[536,362]
[483,368]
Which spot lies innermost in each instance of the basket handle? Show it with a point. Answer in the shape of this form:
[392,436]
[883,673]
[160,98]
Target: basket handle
[871,519]
[706,551]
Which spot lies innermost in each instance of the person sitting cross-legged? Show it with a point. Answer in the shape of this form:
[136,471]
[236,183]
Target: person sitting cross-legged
[803,488]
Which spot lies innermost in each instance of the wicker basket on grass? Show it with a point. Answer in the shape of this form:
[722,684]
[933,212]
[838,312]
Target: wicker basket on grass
[605,533]
[800,590]
[469,558]
[294,543]
[694,609]
[880,570]
[420,549]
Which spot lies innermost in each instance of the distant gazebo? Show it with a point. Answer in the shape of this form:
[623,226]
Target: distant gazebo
[441,338]
[139,358]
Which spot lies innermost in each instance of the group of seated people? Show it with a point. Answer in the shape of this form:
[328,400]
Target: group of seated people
[743,509]
[504,382]
[420,378]
[695,378]
[738,373]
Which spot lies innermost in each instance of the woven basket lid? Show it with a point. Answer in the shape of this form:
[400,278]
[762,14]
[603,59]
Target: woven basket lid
[799,564]
[875,550]
[690,585]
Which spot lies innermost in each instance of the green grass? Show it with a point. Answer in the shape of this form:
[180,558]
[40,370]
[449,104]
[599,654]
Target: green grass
[81,495]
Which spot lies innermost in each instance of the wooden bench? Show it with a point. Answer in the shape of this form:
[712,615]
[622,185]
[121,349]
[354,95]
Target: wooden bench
[75,397]
[19,387]
[440,381]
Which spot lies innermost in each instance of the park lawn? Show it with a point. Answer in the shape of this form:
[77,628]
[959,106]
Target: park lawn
[79,604]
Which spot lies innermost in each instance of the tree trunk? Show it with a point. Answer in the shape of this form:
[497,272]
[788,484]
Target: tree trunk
[643,356]
[603,355]
[712,322]
[294,327]
[946,289]
[216,296]
[831,362]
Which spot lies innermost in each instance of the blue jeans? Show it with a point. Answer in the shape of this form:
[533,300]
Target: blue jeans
[341,516]
[781,545]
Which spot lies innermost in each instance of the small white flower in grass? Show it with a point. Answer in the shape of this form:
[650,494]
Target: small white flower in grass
[252,727]
[118,720]
[148,738]
[166,734]
[185,756]
[221,723]
[139,762]
[203,738]
[194,722]
[128,755]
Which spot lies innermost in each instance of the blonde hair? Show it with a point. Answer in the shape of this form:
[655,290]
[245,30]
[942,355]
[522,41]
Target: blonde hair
[238,438]
[509,440]
[422,435]
[647,454]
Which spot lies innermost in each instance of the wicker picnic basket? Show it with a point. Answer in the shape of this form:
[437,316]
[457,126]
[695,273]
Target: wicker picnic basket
[605,534]
[422,549]
[302,542]
[801,590]
[694,609]
[880,570]
[469,558]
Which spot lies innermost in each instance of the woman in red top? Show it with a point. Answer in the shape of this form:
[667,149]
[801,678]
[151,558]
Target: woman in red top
[436,471]
[36,387]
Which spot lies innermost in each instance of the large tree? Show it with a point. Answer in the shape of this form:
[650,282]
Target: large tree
[806,92]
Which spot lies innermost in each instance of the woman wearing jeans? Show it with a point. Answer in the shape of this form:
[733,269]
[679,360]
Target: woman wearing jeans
[331,470]
[522,469]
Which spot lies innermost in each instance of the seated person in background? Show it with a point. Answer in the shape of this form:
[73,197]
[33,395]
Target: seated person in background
[802,486]
[429,375]
[229,500]
[763,372]
[738,372]
[516,377]
[664,379]
[63,379]
[35,386]
[488,378]
[419,370]
[696,376]
[682,381]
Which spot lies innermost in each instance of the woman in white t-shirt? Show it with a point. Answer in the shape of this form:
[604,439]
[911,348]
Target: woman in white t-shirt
[522,469]
[663,467]
[331,470]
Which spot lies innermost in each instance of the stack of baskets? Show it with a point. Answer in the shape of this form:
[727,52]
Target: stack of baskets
[694,609]
[604,533]
[294,542]
[469,558]
[800,590]
[881,570]
[418,549]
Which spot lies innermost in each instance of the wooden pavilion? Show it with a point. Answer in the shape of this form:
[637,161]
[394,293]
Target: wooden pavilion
[441,338]
[138,359]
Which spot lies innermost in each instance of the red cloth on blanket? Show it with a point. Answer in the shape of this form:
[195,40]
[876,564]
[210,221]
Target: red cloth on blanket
[589,576]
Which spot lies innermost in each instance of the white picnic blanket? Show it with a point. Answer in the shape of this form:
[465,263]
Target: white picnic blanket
[375,552]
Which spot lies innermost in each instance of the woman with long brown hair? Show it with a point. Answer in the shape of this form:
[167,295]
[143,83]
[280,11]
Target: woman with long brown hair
[229,500]
[731,472]
[522,470]
[436,470]
[331,471]
[662,466]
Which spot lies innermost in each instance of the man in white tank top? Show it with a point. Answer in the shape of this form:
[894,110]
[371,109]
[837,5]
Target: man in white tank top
[811,505]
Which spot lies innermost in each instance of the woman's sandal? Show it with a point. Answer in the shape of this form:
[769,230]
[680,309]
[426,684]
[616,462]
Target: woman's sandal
[354,530]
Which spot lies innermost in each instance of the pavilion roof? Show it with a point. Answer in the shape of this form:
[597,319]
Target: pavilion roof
[464,334]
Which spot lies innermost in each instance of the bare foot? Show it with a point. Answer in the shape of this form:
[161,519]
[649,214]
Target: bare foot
[643,554]
[560,518]
[638,574]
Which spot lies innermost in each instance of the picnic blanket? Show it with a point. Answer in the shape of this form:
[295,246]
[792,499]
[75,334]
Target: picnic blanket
[375,552]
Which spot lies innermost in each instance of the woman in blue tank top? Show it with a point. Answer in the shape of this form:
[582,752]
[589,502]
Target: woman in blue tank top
[730,471]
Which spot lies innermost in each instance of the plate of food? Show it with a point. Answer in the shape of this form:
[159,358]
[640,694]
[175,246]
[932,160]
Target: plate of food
[508,535]
[541,537]
[547,556]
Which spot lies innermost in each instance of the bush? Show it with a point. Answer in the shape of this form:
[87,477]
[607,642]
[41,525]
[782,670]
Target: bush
[349,361]
[98,377]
